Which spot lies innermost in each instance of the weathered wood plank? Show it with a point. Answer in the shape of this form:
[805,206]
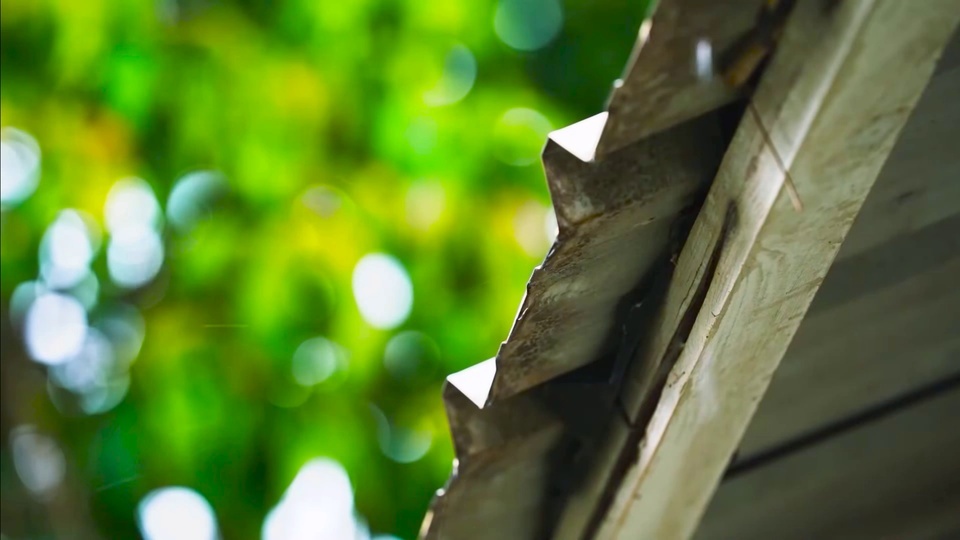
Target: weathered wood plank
[825,116]
[896,477]
[605,210]
[951,57]
[501,467]
[919,184]
[861,353]
[888,265]
[905,335]
[516,458]
[615,218]
[665,83]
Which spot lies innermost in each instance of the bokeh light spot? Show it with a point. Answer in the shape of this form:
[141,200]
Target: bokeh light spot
[87,291]
[399,443]
[425,203]
[38,460]
[316,359]
[530,228]
[134,255]
[191,198]
[135,252]
[19,165]
[94,374]
[519,136]
[459,74]
[406,445]
[407,352]
[89,368]
[23,297]
[125,328]
[324,200]
[66,251]
[318,505]
[55,328]
[383,291]
[131,203]
[527,25]
[176,513]
[104,397]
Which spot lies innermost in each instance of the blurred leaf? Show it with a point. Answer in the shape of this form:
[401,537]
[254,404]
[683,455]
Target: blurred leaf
[339,129]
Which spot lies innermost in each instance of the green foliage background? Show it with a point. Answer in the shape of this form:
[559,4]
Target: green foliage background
[287,100]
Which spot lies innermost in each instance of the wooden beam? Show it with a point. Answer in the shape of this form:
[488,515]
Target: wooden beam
[862,353]
[670,77]
[897,476]
[918,185]
[884,322]
[615,217]
[826,114]
[501,466]
[514,424]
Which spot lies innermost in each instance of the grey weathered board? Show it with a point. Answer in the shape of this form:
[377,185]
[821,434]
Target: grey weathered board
[729,355]
[615,218]
[613,213]
[920,183]
[504,448]
[887,318]
[895,477]
[663,85]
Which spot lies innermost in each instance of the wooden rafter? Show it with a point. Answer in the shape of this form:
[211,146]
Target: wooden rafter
[547,447]
[671,77]
[824,117]
[605,187]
